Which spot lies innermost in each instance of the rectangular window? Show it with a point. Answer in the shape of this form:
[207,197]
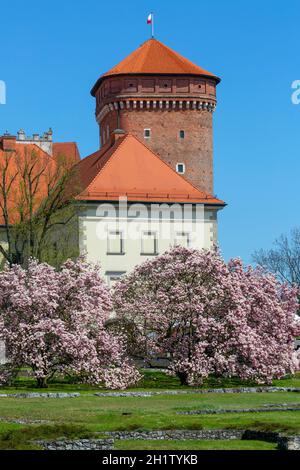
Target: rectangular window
[113,277]
[115,243]
[149,243]
[180,168]
[181,134]
[182,239]
[147,133]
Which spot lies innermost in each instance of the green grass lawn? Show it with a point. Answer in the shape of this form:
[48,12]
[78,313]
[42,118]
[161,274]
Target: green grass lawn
[88,414]
[156,412]
[195,445]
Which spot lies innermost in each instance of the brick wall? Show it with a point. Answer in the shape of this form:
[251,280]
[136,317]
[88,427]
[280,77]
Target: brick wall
[166,105]
[195,150]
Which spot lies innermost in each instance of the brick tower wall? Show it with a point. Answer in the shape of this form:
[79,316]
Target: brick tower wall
[195,150]
[166,105]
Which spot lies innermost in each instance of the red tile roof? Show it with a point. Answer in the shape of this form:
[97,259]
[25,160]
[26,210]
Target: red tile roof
[16,154]
[130,169]
[154,57]
[68,150]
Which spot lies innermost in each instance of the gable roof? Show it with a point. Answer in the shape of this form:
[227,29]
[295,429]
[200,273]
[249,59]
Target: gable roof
[131,169]
[154,57]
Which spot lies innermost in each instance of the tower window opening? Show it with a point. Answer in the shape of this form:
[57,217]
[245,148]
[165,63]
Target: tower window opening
[147,133]
[180,168]
[181,134]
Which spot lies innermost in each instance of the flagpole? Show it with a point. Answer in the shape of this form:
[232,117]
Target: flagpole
[152,25]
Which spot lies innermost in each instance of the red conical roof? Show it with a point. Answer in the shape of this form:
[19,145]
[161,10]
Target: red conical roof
[154,57]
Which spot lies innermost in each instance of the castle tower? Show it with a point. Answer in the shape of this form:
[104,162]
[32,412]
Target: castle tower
[165,101]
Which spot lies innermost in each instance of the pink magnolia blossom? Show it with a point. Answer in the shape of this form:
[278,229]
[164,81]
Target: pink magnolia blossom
[210,317]
[55,321]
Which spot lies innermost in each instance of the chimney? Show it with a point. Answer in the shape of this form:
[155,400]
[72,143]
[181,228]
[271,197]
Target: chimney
[116,135]
[8,142]
[21,135]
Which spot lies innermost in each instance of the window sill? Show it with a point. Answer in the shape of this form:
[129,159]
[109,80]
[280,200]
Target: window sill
[115,254]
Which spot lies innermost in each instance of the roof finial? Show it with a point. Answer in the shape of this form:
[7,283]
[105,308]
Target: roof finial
[150,20]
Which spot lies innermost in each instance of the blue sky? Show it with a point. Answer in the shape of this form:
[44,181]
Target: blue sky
[52,53]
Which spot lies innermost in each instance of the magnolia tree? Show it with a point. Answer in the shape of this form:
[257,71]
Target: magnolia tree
[55,321]
[210,317]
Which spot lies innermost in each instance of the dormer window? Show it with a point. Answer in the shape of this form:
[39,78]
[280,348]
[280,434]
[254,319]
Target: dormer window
[180,168]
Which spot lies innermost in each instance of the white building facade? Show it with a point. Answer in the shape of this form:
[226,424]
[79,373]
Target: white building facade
[122,235]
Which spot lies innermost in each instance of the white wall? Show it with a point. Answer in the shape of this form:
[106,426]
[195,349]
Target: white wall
[97,222]
[2,353]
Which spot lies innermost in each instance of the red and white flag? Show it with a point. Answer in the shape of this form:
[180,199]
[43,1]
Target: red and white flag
[150,19]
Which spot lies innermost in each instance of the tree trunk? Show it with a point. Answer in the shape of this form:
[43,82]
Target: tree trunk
[42,382]
[183,378]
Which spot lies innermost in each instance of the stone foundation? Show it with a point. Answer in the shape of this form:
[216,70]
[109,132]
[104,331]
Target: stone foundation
[200,391]
[178,435]
[284,442]
[263,409]
[82,444]
[39,395]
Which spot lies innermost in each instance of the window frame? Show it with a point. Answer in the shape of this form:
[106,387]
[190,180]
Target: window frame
[182,234]
[115,253]
[111,274]
[155,251]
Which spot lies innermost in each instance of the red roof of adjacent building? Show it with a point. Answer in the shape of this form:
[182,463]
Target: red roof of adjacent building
[154,57]
[67,150]
[12,164]
[130,169]
[15,156]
